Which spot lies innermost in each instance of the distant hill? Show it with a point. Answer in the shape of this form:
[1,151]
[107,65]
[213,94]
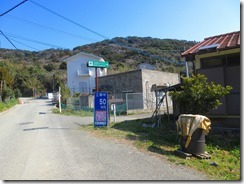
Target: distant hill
[122,53]
[25,72]
[128,53]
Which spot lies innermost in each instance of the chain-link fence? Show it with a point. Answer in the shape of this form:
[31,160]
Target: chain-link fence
[124,102]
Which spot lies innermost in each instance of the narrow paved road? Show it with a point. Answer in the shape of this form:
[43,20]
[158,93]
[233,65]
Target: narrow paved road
[38,145]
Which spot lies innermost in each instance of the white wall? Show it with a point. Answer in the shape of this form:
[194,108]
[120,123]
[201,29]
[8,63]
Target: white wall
[79,61]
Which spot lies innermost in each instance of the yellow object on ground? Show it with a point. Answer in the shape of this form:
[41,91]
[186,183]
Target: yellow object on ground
[188,123]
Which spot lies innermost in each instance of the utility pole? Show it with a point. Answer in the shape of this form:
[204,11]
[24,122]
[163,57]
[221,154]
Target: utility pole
[187,69]
[96,80]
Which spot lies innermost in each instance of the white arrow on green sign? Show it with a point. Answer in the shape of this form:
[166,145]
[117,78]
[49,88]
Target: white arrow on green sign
[98,64]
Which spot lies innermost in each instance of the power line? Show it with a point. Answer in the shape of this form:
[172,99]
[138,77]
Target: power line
[8,39]
[5,14]
[90,30]
[67,19]
[24,44]
[31,40]
[105,37]
[13,8]
[49,28]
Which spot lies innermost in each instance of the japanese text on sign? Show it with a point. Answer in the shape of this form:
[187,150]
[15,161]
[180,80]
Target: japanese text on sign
[101,109]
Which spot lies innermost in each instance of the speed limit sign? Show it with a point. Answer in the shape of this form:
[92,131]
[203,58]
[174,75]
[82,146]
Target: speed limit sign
[100,109]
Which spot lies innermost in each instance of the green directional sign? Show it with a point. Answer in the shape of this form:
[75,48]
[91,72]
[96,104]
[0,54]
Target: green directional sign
[98,64]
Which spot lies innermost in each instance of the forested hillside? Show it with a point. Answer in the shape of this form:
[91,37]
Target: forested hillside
[127,53]
[25,73]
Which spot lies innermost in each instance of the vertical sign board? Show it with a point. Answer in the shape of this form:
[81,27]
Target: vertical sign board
[100,109]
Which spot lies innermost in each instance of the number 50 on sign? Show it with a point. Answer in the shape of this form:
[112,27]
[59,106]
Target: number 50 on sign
[100,109]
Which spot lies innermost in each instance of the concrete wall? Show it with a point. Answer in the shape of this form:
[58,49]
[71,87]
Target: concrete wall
[150,77]
[137,81]
[121,82]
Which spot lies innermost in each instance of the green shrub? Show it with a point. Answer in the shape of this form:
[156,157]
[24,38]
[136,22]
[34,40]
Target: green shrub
[198,95]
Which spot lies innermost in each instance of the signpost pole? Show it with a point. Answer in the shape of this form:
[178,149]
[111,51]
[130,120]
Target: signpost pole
[96,81]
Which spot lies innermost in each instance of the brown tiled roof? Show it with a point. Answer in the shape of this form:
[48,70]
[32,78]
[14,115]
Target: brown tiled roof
[219,42]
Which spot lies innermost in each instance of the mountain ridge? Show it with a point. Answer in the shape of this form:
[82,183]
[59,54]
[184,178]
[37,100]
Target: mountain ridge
[122,52]
[25,73]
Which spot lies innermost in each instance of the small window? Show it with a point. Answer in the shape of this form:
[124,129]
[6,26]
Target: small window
[84,69]
[211,62]
[233,60]
[225,60]
[83,88]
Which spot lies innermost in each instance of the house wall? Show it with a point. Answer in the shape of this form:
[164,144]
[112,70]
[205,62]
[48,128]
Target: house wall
[214,54]
[226,74]
[80,78]
[210,73]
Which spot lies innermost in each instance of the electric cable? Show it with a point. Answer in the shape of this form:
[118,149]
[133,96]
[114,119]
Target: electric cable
[88,29]
[103,36]
[24,44]
[32,40]
[8,39]
[13,8]
[67,19]
[49,28]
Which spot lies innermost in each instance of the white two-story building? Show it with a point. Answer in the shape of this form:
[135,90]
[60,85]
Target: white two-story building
[80,78]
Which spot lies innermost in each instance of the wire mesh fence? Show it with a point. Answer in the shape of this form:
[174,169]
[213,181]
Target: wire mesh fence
[123,102]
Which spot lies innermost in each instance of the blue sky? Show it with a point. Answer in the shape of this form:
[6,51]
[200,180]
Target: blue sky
[31,27]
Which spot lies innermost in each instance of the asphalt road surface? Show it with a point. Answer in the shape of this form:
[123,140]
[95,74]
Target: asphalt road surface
[38,145]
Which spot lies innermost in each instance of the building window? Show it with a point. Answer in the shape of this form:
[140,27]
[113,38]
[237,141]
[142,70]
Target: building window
[211,62]
[83,69]
[83,87]
[233,60]
[226,60]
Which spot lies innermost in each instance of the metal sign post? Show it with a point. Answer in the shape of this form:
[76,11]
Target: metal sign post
[97,64]
[100,109]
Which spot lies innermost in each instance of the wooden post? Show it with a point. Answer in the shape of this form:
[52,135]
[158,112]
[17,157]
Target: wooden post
[167,105]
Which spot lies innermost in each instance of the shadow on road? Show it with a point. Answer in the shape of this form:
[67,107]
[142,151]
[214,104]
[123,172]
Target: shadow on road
[45,128]
[155,138]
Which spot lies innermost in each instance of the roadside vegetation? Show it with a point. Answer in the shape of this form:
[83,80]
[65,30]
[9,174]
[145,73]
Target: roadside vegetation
[72,112]
[163,141]
[8,104]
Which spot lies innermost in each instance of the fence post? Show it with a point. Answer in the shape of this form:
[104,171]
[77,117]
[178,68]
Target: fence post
[126,99]
[59,99]
[113,107]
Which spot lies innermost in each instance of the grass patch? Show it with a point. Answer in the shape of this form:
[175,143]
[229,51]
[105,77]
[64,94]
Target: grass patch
[8,104]
[162,141]
[71,112]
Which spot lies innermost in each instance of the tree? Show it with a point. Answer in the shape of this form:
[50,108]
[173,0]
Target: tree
[65,92]
[63,66]
[49,67]
[198,96]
